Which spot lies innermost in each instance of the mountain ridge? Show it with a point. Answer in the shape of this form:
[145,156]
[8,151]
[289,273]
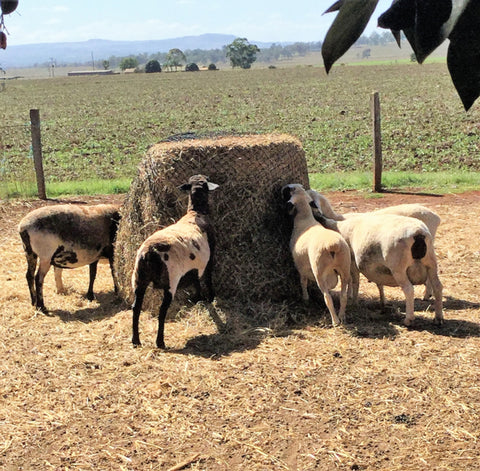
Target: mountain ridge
[27,55]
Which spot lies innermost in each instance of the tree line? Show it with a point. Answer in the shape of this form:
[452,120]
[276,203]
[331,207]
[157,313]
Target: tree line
[240,53]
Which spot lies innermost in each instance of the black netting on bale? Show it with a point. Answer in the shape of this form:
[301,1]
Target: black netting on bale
[252,260]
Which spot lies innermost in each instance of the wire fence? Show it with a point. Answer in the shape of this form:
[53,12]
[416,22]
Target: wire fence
[17,171]
[72,151]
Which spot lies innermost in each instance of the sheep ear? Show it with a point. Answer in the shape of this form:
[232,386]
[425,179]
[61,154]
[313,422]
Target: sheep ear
[291,209]
[185,187]
[212,186]
[286,193]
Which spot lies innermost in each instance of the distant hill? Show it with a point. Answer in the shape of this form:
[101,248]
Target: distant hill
[81,52]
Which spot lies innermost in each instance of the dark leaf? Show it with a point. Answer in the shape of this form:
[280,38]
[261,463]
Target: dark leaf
[335,7]
[8,6]
[463,57]
[399,16]
[351,20]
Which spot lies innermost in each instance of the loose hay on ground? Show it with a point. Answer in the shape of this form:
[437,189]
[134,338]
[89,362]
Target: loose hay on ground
[259,396]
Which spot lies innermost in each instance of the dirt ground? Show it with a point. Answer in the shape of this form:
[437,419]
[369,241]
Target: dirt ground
[239,388]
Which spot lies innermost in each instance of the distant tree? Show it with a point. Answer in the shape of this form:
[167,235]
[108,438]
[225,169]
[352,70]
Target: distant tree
[175,58]
[212,66]
[152,66]
[192,67]
[128,63]
[241,53]
[106,64]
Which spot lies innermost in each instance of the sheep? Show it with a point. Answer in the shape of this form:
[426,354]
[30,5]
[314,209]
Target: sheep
[319,254]
[417,211]
[67,236]
[184,249]
[391,250]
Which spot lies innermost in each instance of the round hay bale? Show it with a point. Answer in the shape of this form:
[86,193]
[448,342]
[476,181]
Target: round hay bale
[252,259]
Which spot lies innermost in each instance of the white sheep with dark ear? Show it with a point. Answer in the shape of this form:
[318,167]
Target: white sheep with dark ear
[67,236]
[430,218]
[319,254]
[183,248]
[391,250]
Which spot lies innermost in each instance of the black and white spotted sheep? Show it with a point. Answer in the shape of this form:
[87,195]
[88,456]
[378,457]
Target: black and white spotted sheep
[181,250]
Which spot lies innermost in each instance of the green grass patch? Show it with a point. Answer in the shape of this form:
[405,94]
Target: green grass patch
[56,189]
[438,182]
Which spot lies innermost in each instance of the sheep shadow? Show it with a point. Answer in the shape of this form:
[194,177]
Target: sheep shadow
[236,332]
[393,314]
[107,305]
[244,328]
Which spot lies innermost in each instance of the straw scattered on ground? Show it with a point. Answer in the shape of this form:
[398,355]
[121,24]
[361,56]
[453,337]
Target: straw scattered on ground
[238,388]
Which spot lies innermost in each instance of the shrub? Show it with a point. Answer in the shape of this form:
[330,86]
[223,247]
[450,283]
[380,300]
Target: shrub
[212,67]
[152,66]
[192,67]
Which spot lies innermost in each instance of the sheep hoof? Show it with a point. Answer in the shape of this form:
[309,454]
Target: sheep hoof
[90,296]
[42,309]
[408,322]
[161,345]
[438,321]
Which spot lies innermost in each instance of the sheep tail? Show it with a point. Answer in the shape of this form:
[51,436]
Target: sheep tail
[419,247]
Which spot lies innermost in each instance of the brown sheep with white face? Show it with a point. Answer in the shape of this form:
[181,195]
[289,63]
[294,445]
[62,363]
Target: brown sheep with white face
[67,236]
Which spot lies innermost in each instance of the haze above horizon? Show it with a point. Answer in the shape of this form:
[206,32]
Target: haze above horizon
[267,21]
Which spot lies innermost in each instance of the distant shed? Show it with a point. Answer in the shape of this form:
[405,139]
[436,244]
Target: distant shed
[90,72]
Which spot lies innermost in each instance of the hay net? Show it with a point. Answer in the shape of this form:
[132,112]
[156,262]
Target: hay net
[252,259]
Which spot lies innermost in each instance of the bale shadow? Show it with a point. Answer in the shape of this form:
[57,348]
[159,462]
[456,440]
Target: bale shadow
[109,304]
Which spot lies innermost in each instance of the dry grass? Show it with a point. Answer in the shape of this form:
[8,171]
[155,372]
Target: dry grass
[257,394]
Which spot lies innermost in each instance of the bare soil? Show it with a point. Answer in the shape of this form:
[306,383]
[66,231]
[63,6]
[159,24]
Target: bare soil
[238,387]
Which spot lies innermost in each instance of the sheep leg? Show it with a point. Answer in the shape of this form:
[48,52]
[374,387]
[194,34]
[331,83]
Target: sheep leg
[30,275]
[167,299]
[93,275]
[304,285]
[112,270]
[208,281]
[197,296]
[381,293]
[136,308]
[409,293]
[354,282]
[331,308]
[428,291]
[345,283]
[43,268]
[58,280]
[437,289]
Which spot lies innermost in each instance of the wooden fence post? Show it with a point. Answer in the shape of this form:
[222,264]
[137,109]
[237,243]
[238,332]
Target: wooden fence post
[37,152]
[377,142]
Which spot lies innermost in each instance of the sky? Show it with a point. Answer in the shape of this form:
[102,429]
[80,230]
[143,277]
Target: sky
[257,20]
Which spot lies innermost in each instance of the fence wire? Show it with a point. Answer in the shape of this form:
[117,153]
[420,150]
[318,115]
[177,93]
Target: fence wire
[17,173]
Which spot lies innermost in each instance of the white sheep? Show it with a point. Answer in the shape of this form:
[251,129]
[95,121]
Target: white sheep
[67,236]
[430,218]
[319,254]
[392,250]
[183,248]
